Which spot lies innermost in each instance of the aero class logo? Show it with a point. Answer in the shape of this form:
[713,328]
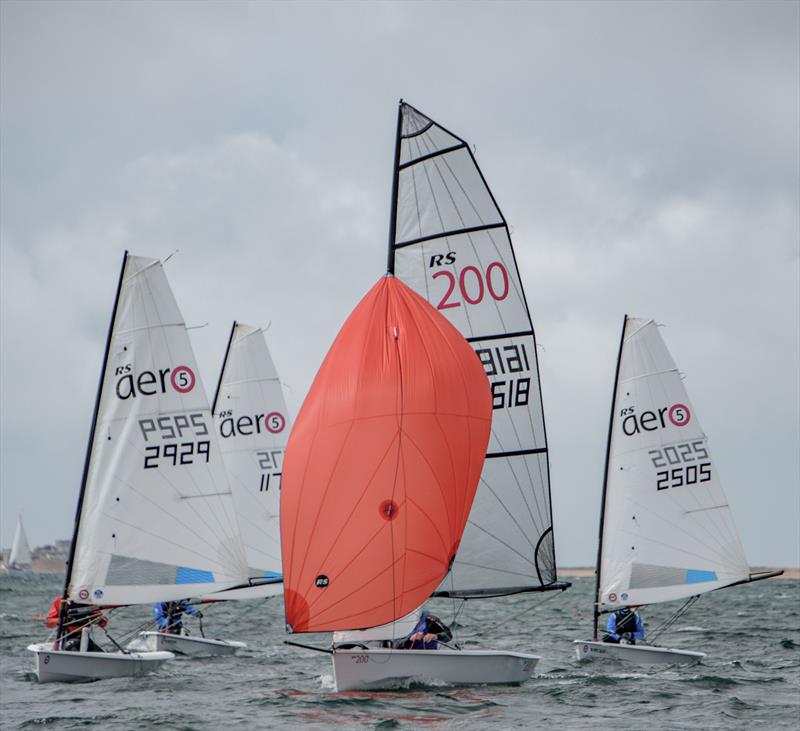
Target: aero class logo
[633,423]
[149,383]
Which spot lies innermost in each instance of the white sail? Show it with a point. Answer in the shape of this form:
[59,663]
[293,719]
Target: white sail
[20,556]
[253,425]
[451,244]
[668,532]
[156,518]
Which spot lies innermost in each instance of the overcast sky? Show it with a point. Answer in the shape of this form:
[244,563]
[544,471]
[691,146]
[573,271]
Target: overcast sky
[645,155]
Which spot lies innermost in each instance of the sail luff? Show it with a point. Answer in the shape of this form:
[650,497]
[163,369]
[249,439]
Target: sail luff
[89,448]
[395,179]
[222,369]
[596,605]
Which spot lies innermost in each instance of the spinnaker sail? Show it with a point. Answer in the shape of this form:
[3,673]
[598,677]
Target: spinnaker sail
[450,243]
[155,518]
[253,425]
[381,466]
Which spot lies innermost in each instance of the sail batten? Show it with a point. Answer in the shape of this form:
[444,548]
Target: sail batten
[453,247]
[667,531]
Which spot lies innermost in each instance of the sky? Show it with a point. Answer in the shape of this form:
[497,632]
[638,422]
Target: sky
[646,156]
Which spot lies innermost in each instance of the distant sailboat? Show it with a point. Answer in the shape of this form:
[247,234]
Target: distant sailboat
[666,529]
[20,557]
[155,520]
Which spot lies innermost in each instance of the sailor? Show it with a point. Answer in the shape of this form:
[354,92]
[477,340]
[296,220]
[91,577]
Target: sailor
[427,634]
[169,615]
[624,624]
[78,617]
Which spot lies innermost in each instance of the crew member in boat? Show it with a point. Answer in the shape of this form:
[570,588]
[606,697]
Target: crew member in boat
[427,634]
[169,615]
[624,624]
[78,617]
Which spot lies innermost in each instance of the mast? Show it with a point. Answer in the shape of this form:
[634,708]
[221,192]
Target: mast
[222,370]
[395,182]
[87,461]
[596,608]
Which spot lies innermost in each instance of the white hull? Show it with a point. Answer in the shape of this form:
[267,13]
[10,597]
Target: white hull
[387,668]
[186,644]
[637,654]
[60,666]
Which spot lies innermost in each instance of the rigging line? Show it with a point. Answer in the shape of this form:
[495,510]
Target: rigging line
[670,621]
[238,617]
[515,617]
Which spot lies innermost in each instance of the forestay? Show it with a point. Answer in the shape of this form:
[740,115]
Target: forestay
[157,519]
[253,425]
[668,532]
[450,242]
[381,466]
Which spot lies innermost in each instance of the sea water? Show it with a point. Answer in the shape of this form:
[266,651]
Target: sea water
[750,678]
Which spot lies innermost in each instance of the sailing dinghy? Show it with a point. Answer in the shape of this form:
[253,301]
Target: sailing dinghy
[20,557]
[381,469]
[666,530]
[155,519]
[252,424]
[450,244]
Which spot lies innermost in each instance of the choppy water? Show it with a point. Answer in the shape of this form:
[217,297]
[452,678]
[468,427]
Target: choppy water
[750,679]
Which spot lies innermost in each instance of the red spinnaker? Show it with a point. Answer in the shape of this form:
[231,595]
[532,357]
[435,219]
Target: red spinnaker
[382,465]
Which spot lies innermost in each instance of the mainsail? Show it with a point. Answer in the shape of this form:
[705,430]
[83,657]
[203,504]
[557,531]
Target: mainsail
[155,517]
[450,243]
[667,531]
[253,425]
[381,466]
[20,556]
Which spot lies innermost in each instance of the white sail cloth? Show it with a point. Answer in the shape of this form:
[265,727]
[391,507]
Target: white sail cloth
[452,246]
[157,520]
[20,555]
[668,532]
[253,425]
